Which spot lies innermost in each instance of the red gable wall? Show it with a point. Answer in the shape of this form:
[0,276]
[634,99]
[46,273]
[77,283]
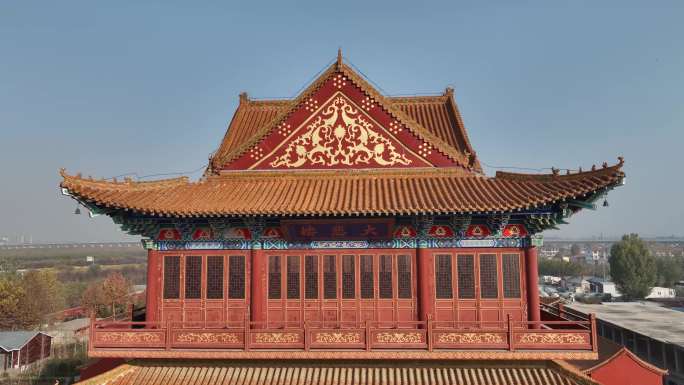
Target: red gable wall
[339,126]
[624,370]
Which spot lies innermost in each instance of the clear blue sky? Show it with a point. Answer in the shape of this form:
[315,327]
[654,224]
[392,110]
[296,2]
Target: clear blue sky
[149,87]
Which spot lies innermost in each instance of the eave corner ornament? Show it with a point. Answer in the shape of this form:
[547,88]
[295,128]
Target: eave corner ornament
[340,135]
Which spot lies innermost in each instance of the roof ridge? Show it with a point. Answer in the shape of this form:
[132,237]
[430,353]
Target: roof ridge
[461,127]
[159,183]
[216,163]
[406,171]
[412,125]
[555,173]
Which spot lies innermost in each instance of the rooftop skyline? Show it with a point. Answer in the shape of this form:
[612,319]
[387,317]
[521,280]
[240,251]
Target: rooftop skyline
[141,89]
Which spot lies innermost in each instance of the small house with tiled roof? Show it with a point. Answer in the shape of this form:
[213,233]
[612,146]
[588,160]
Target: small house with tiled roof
[344,224]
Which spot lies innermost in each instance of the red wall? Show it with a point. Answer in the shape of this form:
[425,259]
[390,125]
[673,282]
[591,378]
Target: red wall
[623,370]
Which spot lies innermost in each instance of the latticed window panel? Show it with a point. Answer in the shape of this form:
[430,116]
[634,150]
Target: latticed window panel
[329,277]
[274,277]
[488,282]
[348,277]
[236,277]
[443,277]
[404,276]
[193,277]
[171,277]
[366,266]
[292,277]
[214,277]
[466,276]
[385,277]
[511,275]
[311,277]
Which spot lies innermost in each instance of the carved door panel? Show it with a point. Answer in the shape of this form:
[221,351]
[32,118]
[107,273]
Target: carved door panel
[405,288]
[292,288]
[312,288]
[349,293]
[386,304]
[276,304]
[490,304]
[330,302]
[367,288]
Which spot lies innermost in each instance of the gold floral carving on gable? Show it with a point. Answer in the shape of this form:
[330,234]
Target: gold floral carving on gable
[340,135]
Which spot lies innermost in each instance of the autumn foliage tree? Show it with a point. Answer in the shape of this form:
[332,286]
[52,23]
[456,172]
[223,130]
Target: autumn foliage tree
[29,300]
[108,296]
[632,267]
[11,295]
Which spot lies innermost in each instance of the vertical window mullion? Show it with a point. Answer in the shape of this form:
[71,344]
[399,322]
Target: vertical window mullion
[348,277]
[404,276]
[443,277]
[511,275]
[311,277]
[329,277]
[214,277]
[274,277]
[489,288]
[193,277]
[293,282]
[466,276]
[236,277]
[171,277]
[367,281]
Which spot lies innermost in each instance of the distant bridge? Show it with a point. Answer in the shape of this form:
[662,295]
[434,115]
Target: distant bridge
[73,245]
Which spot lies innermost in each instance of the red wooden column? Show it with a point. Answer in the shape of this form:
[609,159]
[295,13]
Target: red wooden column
[258,297]
[532,276]
[153,288]
[425,286]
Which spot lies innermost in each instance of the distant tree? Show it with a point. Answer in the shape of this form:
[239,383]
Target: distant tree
[44,295]
[116,289]
[596,269]
[559,268]
[93,298]
[670,270]
[11,294]
[632,267]
[575,250]
[105,297]
[73,291]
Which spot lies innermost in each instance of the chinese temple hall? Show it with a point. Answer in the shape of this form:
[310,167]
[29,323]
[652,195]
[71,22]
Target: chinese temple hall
[349,235]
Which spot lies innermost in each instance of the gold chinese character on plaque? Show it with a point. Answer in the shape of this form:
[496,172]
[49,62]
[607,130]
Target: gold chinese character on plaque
[338,231]
[369,231]
[307,231]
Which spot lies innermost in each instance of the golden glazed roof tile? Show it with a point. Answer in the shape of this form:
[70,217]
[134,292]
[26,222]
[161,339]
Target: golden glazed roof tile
[342,192]
[342,372]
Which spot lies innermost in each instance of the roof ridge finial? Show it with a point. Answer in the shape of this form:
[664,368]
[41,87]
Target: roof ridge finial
[339,57]
[244,98]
